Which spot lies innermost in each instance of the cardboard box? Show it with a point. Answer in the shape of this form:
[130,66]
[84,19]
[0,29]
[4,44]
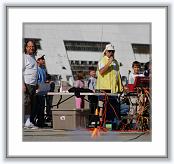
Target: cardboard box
[70,119]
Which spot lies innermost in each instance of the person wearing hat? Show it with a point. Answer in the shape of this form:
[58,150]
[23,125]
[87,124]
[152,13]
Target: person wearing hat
[41,68]
[108,75]
[40,97]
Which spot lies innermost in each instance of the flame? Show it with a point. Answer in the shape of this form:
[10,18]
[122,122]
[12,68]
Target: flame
[95,133]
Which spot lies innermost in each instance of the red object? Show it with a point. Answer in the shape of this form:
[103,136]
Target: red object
[131,87]
[142,82]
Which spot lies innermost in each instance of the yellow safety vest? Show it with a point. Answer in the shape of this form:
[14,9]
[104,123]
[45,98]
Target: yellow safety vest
[110,80]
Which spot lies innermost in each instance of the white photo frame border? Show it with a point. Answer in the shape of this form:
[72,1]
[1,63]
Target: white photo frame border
[17,15]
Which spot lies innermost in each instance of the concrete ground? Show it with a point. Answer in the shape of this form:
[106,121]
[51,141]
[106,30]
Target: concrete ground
[49,134]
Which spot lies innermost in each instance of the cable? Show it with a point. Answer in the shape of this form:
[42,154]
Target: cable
[137,136]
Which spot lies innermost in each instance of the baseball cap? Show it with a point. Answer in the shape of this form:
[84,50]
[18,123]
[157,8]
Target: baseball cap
[38,56]
[108,47]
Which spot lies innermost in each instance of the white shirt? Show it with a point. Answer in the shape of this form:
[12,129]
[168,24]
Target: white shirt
[132,77]
[30,69]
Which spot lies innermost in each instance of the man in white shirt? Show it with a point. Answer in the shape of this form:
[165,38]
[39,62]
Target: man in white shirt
[30,81]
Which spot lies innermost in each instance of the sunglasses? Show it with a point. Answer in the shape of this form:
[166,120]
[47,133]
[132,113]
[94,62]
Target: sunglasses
[111,51]
[42,58]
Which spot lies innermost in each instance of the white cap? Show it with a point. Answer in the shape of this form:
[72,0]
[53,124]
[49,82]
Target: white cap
[38,56]
[108,47]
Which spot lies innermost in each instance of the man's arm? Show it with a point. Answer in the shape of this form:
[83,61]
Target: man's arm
[105,68]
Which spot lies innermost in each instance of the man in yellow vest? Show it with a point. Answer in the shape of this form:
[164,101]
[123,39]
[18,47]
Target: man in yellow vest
[108,75]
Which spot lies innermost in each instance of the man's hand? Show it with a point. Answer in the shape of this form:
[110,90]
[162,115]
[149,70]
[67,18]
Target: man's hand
[111,60]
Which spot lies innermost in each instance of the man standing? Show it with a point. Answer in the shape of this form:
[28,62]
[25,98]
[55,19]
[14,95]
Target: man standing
[108,76]
[42,89]
[30,81]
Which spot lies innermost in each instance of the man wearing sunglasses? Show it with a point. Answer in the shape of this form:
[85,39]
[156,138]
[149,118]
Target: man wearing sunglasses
[108,76]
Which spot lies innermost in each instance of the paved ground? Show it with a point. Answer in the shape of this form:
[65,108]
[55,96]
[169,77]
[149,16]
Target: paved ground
[49,134]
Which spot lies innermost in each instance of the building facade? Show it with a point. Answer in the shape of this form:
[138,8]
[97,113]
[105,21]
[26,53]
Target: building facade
[73,47]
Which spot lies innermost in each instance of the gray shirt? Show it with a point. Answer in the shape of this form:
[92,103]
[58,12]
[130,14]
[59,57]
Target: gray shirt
[30,69]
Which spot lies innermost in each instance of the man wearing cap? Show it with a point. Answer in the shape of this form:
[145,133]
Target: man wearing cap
[41,91]
[41,68]
[108,75]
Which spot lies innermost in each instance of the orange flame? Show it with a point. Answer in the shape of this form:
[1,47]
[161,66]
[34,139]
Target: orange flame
[95,133]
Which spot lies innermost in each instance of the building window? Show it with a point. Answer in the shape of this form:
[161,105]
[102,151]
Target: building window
[76,62]
[141,48]
[90,62]
[83,62]
[95,62]
[71,62]
[72,45]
